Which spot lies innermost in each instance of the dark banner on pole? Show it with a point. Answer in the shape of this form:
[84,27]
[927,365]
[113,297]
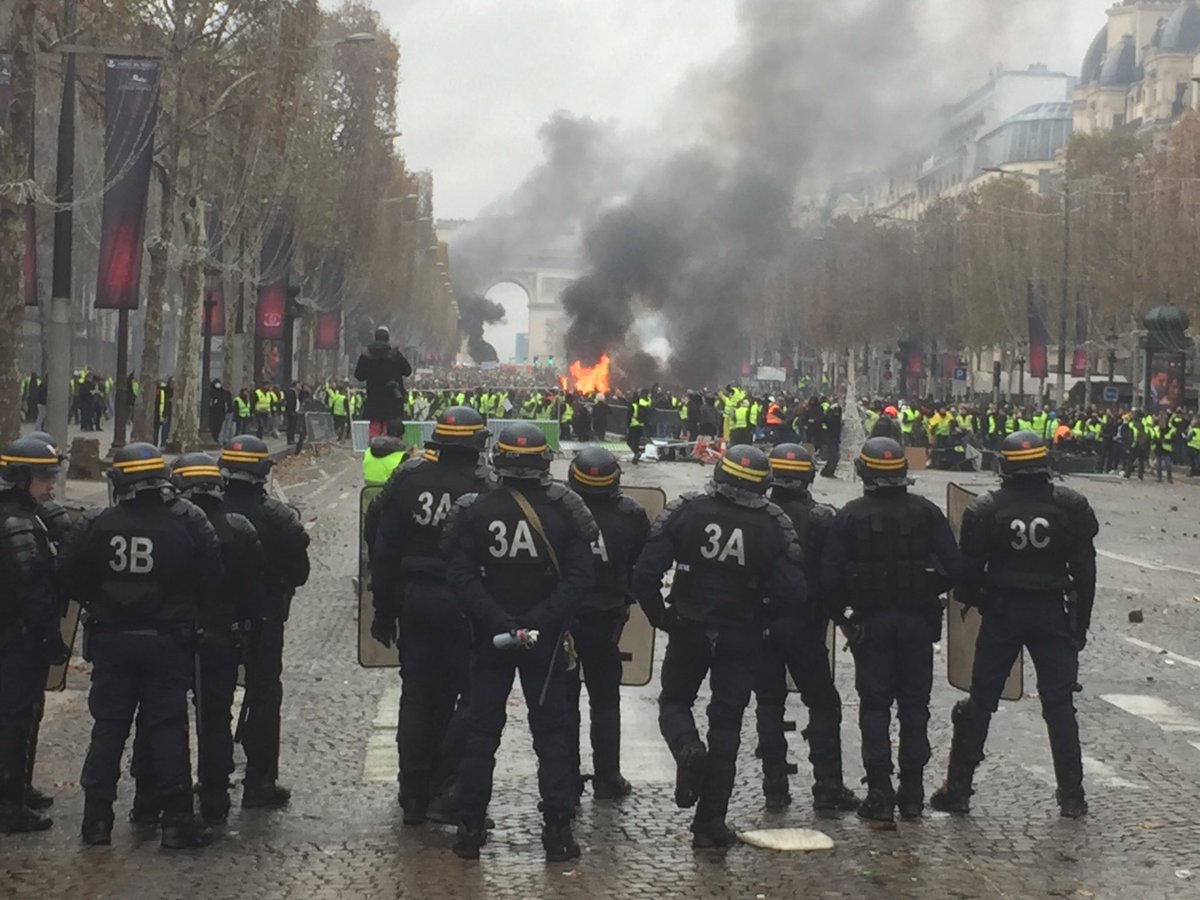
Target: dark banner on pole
[214,282]
[1039,337]
[329,304]
[130,116]
[275,263]
[1079,361]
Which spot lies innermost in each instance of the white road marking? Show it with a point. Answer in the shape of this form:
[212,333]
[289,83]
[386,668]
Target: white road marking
[645,758]
[1169,654]
[1097,772]
[1147,564]
[1156,711]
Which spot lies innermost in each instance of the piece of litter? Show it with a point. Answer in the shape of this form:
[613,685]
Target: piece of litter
[787,839]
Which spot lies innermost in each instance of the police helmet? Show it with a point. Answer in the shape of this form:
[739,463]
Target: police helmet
[28,456]
[594,471]
[460,426]
[246,458]
[197,473]
[1024,453]
[790,464]
[522,452]
[744,467]
[138,467]
[882,463]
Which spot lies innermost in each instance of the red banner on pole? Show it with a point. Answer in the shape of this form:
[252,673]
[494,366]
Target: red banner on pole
[330,288]
[275,263]
[130,116]
[328,330]
[1079,361]
[1039,337]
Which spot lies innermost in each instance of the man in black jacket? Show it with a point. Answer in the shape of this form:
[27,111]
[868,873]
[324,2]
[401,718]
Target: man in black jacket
[382,368]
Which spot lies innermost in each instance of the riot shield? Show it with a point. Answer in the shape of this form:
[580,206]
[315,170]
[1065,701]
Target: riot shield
[831,636]
[371,653]
[637,640]
[56,679]
[962,622]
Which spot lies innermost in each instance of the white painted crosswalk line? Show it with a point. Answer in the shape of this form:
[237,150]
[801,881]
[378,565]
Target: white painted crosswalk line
[645,758]
[1097,773]
[1158,712]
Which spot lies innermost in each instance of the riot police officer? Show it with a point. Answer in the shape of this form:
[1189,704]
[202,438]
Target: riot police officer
[732,548]
[417,611]
[245,464]
[222,626]
[54,517]
[796,643]
[600,619]
[1030,569]
[142,570]
[29,619]
[520,559]
[889,555]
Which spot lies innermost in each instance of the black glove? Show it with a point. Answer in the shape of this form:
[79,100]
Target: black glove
[1079,640]
[385,629]
[672,621]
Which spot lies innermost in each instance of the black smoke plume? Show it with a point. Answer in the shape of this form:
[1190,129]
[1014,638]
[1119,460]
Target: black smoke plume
[807,93]
[475,311]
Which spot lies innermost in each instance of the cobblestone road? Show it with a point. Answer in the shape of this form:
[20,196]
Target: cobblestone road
[342,837]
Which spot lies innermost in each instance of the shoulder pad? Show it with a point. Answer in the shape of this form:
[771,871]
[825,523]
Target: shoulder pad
[466,501]
[982,506]
[11,526]
[822,512]
[409,465]
[280,512]
[556,490]
[241,525]
[629,507]
[91,514]
[1081,511]
[1069,498]
[784,521]
[672,509]
[581,516]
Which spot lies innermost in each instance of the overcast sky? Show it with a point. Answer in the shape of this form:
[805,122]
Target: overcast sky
[479,76]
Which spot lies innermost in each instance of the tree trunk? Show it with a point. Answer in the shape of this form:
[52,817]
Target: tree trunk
[149,371]
[185,418]
[14,170]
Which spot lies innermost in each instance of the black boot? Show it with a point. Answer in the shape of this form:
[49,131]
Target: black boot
[36,799]
[1068,771]
[147,808]
[712,834]
[610,787]
[966,752]
[558,842]
[1071,804]
[880,802]
[689,774]
[17,818]
[97,823]
[832,795]
[443,808]
[261,794]
[183,832]
[911,796]
[776,792]
[470,837]
[214,807]
[415,811]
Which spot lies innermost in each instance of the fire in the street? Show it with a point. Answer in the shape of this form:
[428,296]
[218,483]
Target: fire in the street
[589,380]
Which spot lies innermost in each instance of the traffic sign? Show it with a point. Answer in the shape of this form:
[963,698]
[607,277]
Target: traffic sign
[960,373]
[1111,393]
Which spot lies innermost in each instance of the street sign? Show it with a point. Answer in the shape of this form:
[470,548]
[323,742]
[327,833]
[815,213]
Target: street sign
[960,373]
[1111,393]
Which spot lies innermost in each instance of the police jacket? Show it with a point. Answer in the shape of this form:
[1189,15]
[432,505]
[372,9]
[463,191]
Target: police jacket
[502,566]
[243,561]
[284,543]
[29,602]
[811,521]
[153,561]
[406,522]
[732,549]
[624,527]
[889,549]
[1030,537]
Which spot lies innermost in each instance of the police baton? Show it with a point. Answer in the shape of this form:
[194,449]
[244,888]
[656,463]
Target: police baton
[562,635]
[197,690]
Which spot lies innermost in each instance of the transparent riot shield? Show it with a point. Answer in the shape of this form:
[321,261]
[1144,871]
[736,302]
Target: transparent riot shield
[637,640]
[962,622]
[371,653]
[831,639]
[56,679]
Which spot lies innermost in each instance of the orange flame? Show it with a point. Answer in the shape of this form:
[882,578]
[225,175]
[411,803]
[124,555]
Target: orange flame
[562,382]
[590,380]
